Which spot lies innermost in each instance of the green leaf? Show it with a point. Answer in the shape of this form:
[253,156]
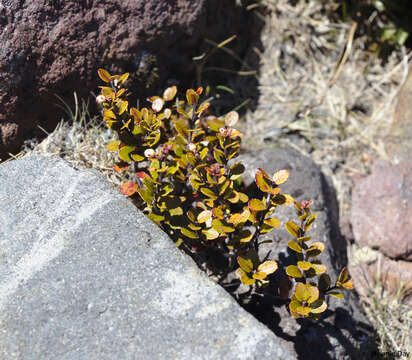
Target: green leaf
[190,234]
[315,249]
[113,146]
[257,205]
[304,265]
[324,282]
[336,294]
[219,156]
[124,153]
[137,157]
[295,246]
[245,264]
[245,236]
[262,182]
[104,75]
[293,228]
[209,193]
[310,222]
[294,271]
[236,170]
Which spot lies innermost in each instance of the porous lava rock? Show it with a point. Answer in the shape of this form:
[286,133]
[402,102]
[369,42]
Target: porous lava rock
[50,48]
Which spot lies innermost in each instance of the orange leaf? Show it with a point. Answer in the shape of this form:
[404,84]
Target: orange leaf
[128,188]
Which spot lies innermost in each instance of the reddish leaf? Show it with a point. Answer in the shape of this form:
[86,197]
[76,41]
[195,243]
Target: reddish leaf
[128,188]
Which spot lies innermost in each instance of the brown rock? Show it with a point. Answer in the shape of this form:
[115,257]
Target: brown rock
[382,210]
[398,144]
[50,48]
[389,273]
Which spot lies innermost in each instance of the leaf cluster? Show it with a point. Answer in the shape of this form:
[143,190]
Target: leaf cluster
[308,299]
[187,178]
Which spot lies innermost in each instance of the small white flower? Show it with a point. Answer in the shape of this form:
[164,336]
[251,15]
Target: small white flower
[100,99]
[157,105]
[149,153]
[191,147]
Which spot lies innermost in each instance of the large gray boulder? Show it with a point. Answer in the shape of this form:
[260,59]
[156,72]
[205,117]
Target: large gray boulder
[85,275]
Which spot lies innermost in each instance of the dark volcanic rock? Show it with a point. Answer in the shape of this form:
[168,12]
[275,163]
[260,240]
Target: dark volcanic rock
[343,332]
[50,48]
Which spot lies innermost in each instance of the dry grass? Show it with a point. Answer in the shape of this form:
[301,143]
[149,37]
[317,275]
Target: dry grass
[321,94]
[388,313]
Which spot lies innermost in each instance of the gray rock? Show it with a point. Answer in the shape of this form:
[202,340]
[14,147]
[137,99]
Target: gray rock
[343,332]
[85,275]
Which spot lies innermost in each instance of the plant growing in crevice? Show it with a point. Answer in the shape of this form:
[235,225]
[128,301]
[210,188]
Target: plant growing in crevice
[308,299]
[186,180]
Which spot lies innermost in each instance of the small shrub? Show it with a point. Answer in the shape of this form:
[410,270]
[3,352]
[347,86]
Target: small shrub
[189,184]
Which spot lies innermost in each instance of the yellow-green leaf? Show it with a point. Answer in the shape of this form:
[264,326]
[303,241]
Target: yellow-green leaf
[124,153]
[202,107]
[336,294]
[123,78]
[245,264]
[293,270]
[319,268]
[259,275]
[245,236]
[262,183]
[292,228]
[113,146]
[257,205]
[191,97]
[304,265]
[310,222]
[304,238]
[209,193]
[315,249]
[137,157]
[244,278]
[273,222]
[319,307]
[122,107]
[239,218]
[104,75]
[295,246]
[189,233]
